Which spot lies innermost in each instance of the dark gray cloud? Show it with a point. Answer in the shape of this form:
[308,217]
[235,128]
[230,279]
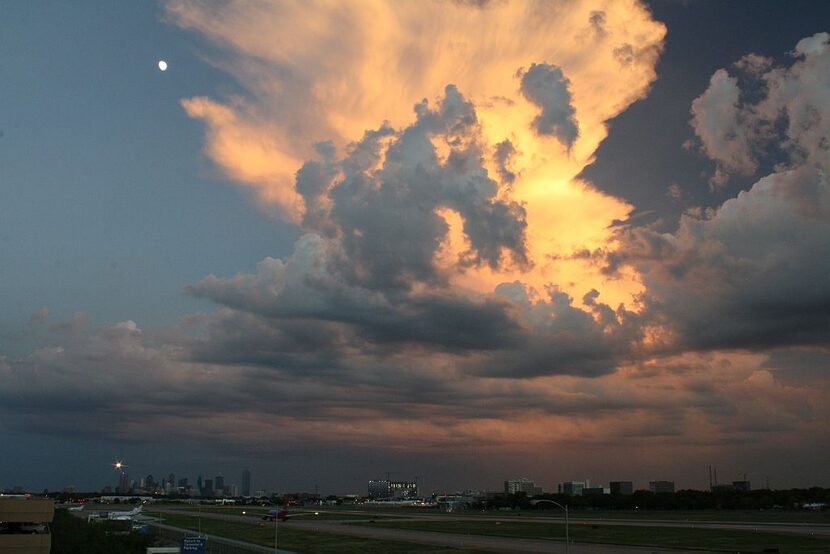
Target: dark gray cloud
[503,334]
[751,274]
[307,286]
[561,338]
[546,86]
[384,207]
[117,382]
[597,21]
[800,366]
[503,156]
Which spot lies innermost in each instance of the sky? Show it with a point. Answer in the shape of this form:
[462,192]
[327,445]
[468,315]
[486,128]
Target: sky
[458,241]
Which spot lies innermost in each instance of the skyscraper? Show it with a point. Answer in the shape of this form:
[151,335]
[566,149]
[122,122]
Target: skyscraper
[123,483]
[246,483]
[219,484]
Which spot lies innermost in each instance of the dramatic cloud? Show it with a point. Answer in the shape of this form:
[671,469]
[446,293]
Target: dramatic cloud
[733,131]
[454,282]
[752,273]
[749,275]
[724,130]
[358,67]
[547,87]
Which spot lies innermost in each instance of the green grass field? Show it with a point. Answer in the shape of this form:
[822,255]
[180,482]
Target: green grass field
[303,541]
[702,539]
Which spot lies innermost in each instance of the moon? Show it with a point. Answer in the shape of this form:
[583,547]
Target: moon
[162,65]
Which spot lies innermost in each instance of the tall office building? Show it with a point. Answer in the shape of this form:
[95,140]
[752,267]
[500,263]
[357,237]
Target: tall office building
[513,486]
[661,486]
[123,483]
[573,488]
[621,487]
[208,489]
[219,484]
[246,483]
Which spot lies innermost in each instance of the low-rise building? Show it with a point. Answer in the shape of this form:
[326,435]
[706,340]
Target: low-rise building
[24,525]
[383,489]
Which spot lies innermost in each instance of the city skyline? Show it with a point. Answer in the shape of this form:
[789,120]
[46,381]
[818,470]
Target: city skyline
[204,486]
[453,240]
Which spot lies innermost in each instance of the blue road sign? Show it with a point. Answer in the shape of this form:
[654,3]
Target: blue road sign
[194,545]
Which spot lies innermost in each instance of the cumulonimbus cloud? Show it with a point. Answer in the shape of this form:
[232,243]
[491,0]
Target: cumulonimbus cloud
[434,291]
[751,274]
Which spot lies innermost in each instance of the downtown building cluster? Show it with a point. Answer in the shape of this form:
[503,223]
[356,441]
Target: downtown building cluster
[583,488]
[168,485]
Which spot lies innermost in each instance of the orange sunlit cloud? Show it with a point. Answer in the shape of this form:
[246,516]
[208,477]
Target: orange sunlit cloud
[355,68]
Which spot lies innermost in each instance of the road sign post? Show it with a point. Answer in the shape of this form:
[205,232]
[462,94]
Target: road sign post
[194,545]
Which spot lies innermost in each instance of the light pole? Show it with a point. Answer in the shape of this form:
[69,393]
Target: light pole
[276,519]
[567,536]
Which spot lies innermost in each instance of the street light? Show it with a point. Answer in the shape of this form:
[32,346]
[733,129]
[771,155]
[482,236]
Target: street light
[567,536]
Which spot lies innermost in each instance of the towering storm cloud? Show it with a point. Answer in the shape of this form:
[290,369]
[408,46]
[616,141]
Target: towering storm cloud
[453,280]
